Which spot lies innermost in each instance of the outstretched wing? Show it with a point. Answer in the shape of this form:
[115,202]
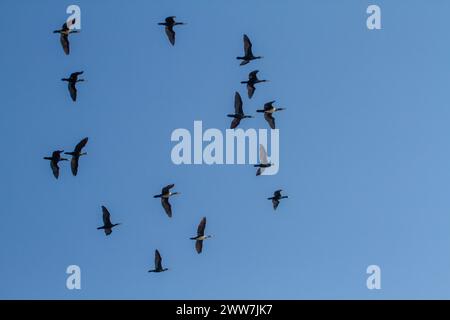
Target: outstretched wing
[263,155]
[55,168]
[64,39]
[269,105]
[247,46]
[270,119]
[167,207]
[238,104]
[252,75]
[170,20]
[106,217]
[170,34]
[275,203]
[81,145]
[199,246]
[74,165]
[250,90]
[166,189]
[259,171]
[235,123]
[201,227]
[158,260]
[73,91]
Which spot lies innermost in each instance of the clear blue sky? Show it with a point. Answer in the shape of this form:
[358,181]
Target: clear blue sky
[365,154]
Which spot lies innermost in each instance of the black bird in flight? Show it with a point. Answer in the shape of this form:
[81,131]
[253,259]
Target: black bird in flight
[72,81]
[252,80]
[169,24]
[165,195]
[54,159]
[76,154]
[64,35]
[107,225]
[158,263]
[263,161]
[268,111]
[238,111]
[200,236]
[248,54]
[276,198]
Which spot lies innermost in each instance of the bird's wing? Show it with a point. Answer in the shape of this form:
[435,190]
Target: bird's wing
[81,145]
[170,34]
[64,39]
[166,189]
[259,171]
[247,46]
[167,207]
[106,216]
[238,104]
[73,91]
[277,193]
[270,119]
[199,246]
[201,227]
[263,155]
[235,123]
[170,20]
[158,260]
[252,75]
[74,165]
[55,168]
[251,90]
[275,203]
[269,105]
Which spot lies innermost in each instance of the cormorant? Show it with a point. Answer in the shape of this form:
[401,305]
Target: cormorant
[238,111]
[252,80]
[268,111]
[76,154]
[107,225]
[276,198]
[54,159]
[169,24]
[64,36]
[263,162]
[248,54]
[72,81]
[158,263]
[200,236]
[165,195]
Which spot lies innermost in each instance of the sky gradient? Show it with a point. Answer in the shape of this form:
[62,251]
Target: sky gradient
[364,154]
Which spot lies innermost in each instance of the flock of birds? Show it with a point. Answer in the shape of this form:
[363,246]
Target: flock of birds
[166,193]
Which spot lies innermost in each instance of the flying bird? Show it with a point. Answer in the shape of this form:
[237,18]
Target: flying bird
[64,36]
[158,263]
[268,111]
[72,81]
[238,111]
[248,54]
[76,154]
[107,225]
[165,195]
[263,162]
[200,236]
[54,159]
[169,24]
[276,199]
[252,80]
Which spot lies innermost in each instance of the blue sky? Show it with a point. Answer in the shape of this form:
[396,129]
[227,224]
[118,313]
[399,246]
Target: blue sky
[364,150]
